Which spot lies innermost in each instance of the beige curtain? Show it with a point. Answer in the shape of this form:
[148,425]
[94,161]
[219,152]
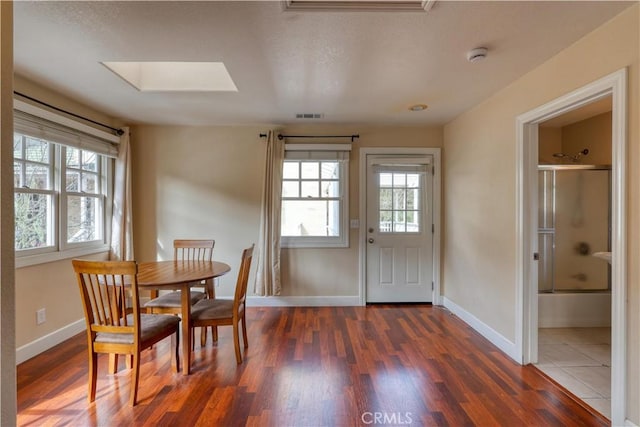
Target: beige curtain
[121,226]
[268,270]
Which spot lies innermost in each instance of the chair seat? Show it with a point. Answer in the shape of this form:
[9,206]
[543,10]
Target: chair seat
[209,309]
[150,325]
[173,299]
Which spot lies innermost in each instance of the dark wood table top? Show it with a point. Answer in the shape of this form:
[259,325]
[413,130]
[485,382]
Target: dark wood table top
[171,273]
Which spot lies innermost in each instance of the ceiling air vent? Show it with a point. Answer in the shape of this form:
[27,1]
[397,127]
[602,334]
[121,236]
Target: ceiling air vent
[309,116]
[360,5]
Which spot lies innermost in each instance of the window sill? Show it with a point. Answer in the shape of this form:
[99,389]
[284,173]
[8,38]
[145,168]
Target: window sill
[29,260]
[311,243]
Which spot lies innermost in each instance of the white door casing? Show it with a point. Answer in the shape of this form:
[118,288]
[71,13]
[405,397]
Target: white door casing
[400,241]
[615,85]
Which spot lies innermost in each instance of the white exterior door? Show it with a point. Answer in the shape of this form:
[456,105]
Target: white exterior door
[399,228]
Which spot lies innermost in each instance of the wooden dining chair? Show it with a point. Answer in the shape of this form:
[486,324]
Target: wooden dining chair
[115,327]
[186,250]
[221,312]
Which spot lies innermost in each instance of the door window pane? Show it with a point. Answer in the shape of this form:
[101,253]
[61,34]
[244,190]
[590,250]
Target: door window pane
[399,196]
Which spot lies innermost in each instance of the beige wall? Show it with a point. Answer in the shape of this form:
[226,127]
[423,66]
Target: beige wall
[196,182]
[206,182]
[51,285]
[479,195]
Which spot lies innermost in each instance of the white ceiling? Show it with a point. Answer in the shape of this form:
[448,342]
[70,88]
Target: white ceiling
[353,67]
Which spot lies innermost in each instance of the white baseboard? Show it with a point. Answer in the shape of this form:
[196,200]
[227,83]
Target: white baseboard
[628,423]
[328,301]
[44,343]
[483,329]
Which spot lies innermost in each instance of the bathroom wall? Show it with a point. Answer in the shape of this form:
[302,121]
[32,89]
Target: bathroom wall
[593,133]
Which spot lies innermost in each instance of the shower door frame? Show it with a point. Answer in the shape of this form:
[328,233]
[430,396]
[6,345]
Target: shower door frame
[552,230]
[526,345]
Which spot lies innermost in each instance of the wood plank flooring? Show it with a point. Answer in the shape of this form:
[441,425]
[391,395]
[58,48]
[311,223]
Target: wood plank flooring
[411,365]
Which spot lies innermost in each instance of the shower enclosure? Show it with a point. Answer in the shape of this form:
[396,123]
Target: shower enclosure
[574,222]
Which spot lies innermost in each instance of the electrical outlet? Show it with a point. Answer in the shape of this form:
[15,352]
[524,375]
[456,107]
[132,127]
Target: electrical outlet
[41,316]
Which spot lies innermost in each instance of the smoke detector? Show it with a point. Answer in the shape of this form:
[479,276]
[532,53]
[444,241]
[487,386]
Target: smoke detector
[477,54]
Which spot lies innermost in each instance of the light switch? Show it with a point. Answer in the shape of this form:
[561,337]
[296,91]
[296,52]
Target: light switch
[354,223]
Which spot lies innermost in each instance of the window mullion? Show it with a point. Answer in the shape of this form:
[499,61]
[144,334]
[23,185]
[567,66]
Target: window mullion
[60,174]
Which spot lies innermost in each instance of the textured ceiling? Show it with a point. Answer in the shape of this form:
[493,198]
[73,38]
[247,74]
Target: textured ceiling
[353,67]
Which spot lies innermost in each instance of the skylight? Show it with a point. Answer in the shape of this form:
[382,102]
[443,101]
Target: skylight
[174,76]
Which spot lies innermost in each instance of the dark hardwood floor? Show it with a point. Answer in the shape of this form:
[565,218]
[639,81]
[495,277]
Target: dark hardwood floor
[336,366]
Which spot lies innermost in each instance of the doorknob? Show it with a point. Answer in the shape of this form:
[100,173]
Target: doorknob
[371,240]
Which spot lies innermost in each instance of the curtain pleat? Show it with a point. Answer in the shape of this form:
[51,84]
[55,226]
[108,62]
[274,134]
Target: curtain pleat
[268,267]
[121,223]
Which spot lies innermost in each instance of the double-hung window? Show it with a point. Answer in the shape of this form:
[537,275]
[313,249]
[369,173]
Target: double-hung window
[62,190]
[314,196]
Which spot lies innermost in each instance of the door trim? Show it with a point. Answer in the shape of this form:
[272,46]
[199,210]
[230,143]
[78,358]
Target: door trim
[614,84]
[362,209]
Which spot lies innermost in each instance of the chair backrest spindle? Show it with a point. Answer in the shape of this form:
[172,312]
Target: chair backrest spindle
[193,250]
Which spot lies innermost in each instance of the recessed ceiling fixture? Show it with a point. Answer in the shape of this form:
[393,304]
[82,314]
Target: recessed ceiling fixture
[418,107]
[477,54]
[309,116]
[174,76]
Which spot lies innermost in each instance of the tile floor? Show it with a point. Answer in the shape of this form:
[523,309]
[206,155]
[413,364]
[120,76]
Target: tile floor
[580,360]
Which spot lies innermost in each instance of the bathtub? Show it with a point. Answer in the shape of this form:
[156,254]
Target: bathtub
[574,310]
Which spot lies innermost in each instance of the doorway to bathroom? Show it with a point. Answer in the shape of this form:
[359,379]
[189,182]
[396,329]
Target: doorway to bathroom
[574,246]
[530,127]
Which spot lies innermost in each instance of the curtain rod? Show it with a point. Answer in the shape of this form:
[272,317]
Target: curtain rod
[281,136]
[117,131]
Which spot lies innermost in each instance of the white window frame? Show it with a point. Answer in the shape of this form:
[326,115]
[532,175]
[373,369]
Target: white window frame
[51,191]
[61,249]
[315,152]
[100,196]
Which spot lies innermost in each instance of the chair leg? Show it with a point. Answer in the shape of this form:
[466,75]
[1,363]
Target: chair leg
[244,331]
[214,333]
[175,340]
[236,342]
[135,376]
[93,372]
[113,363]
[203,336]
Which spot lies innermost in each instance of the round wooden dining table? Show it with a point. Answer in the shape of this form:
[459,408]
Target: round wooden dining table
[180,275]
